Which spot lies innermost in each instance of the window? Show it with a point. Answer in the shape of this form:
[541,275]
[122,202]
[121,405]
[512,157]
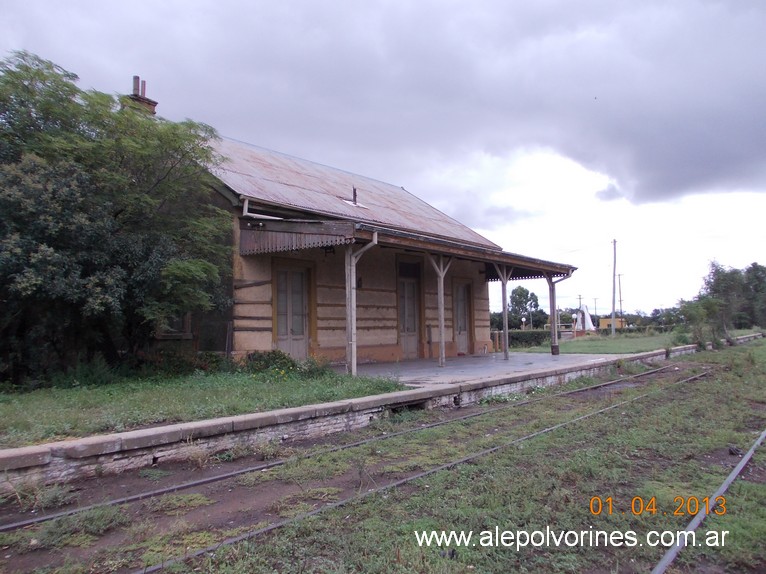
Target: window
[178,327]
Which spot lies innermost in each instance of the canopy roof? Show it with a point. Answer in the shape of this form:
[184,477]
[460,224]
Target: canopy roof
[320,206]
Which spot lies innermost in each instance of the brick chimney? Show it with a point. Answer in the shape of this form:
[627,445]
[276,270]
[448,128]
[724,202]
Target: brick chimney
[140,96]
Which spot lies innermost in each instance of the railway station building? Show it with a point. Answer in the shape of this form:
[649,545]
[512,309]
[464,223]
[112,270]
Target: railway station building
[344,267]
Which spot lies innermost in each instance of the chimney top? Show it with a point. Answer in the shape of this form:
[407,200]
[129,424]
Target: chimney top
[140,96]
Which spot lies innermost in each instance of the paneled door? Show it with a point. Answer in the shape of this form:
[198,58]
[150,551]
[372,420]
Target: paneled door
[292,312]
[462,323]
[408,317]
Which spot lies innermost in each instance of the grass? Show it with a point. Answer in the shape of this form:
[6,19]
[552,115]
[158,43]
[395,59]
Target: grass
[177,504]
[81,530]
[153,474]
[658,448]
[35,496]
[53,414]
[619,344]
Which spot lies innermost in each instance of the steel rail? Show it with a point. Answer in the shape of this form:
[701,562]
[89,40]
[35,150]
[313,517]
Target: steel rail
[446,466]
[673,551]
[280,462]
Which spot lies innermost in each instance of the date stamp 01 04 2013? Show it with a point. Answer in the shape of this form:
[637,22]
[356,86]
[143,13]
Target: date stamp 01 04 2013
[640,506]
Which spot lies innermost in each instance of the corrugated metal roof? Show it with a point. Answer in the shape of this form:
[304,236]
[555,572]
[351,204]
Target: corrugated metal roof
[273,178]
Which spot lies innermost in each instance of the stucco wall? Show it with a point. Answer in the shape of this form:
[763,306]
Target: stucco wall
[377,303]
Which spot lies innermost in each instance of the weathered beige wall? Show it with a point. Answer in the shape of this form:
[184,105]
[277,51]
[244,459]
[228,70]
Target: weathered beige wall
[252,313]
[377,303]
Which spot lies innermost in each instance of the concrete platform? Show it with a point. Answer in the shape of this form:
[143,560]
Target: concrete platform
[426,372]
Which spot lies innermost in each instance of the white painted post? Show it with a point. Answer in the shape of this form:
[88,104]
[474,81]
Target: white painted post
[441,271]
[553,315]
[350,311]
[351,260]
[505,274]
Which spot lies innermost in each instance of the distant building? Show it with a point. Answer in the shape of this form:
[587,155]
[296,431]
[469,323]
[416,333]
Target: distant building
[606,323]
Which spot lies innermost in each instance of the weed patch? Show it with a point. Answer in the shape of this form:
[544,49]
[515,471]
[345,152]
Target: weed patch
[153,474]
[80,529]
[35,496]
[177,504]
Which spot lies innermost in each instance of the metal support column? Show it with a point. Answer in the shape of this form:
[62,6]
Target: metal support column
[441,271]
[505,273]
[351,260]
[554,316]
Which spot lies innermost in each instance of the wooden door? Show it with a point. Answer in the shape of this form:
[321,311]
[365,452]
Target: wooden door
[292,312]
[408,317]
[462,322]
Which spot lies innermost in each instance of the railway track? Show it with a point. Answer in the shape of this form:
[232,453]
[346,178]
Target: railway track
[495,432]
[420,475]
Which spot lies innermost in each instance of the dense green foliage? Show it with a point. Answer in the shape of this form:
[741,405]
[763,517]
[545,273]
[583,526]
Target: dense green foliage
[729,299]
[528,338]
[105,232]
[522,305]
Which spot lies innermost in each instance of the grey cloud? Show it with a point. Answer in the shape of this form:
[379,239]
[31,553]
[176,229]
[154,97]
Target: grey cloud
[664,98]
[609,193]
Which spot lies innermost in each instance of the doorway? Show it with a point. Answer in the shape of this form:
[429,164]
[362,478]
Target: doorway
[409,309]
[462,323]
[292,312]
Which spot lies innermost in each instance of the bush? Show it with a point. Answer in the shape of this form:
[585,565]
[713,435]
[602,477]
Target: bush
[259,361]
[681,336]
[313,367]
[93,373]
[170,363]
[528,338]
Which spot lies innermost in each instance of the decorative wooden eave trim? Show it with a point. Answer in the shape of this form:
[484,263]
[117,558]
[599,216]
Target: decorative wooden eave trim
[260,237]
[523,267]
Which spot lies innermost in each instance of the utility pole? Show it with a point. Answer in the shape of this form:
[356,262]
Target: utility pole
[595,309]
[614,286]
[619,283]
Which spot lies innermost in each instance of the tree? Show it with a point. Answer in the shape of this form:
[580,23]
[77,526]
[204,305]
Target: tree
[665,318]
[525,304]
[700,315]
[755,294]
[106,230]
[726,287]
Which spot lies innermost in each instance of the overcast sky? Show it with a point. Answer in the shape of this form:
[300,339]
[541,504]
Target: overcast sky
[552,127]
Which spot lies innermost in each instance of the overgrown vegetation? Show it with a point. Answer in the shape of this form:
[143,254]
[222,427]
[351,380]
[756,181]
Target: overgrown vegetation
[51,414]
[664,447]
[36,497]
[80,529]
[98,243]
[729,299]
[528,338]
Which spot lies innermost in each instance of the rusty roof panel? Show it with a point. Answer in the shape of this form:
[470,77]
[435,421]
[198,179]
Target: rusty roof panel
[276,179]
